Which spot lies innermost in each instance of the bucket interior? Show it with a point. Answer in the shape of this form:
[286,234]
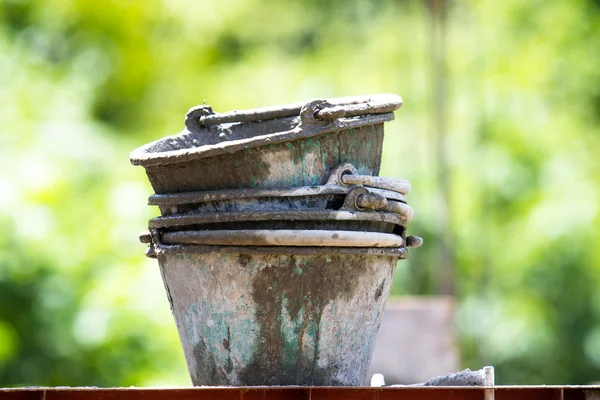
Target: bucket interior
[215,134]
[323,202]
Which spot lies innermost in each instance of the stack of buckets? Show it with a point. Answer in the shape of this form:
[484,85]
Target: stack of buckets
[277,241]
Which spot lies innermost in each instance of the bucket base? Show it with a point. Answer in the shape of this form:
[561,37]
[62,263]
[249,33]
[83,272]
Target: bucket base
[276,319]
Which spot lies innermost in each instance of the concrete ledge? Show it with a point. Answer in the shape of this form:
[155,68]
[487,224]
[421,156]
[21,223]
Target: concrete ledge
[313,393]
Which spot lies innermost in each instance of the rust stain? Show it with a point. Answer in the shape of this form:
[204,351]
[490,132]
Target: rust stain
[323,279]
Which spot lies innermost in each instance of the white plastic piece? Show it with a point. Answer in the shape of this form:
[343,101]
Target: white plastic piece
[377,380]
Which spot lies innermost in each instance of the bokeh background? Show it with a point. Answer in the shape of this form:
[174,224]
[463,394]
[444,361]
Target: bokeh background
[499,134]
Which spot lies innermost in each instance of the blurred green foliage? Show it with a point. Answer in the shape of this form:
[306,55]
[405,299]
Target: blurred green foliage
[84,82]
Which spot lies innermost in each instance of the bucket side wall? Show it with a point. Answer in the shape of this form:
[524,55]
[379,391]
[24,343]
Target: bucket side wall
[304,162]
[277,319]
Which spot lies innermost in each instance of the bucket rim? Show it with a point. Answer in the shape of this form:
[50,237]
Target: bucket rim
[180,220]
[166,249]
[183,198]
[356,112]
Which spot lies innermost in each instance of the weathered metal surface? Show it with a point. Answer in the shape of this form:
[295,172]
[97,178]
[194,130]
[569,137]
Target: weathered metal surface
[181,229]
[284,237]
[285,152]
[393,184]
[372,105]
[398,207]
[352,225]
[296,309]
[304,162]
[262,319]
[332,196]
[414,241]
[203,115]
[337,216]
[304,393]
[158,247]
[307,203]
[370,201]
[332,202]
[361,199]
[175,199]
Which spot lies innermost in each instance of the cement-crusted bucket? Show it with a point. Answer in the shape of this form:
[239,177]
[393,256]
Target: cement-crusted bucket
[367,193]
[328,220]
[272,294]
[277,315]
[285,146]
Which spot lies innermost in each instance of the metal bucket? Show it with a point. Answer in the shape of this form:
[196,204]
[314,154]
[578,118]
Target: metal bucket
[323,220]
[371,193]
[277,315]
[286,146]
[270,285]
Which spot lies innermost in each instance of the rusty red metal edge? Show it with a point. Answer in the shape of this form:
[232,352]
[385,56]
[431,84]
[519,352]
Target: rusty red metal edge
[312,393]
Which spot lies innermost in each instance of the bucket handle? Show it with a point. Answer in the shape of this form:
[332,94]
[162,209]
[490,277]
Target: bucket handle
[332,109]
[347,175]
[361,198]
[394,184]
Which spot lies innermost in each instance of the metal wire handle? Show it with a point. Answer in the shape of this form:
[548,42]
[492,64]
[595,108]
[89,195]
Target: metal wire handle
[347,175]
[376,202]
[397,185]
[343,107]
